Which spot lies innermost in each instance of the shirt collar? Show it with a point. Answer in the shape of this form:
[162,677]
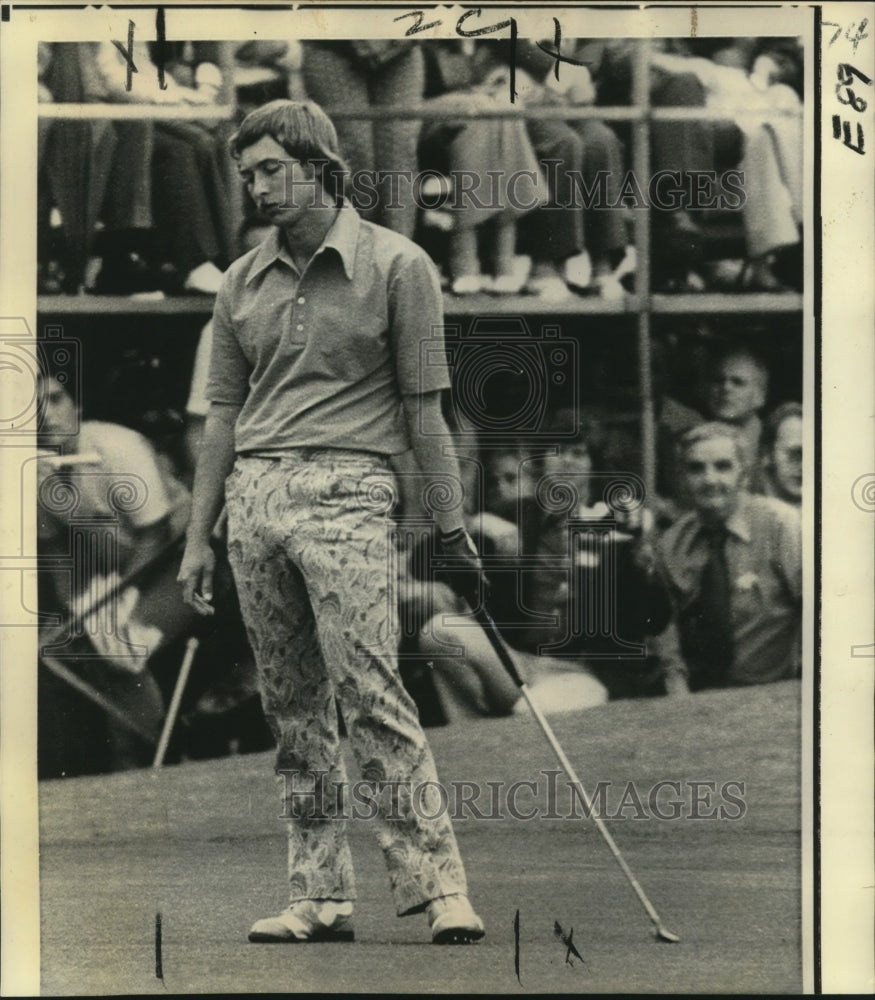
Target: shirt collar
[738,522]
[342,237]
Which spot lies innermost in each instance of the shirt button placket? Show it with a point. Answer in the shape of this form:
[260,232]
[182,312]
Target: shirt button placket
[300,300]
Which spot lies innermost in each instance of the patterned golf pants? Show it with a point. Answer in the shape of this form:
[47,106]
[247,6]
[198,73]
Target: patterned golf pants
[308,545]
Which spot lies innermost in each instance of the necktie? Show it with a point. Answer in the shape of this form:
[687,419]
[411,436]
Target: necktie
[709,625]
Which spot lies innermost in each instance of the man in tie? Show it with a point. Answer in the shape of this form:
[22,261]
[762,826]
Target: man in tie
[734,568]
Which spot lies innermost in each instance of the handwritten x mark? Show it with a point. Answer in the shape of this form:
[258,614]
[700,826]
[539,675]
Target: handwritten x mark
[567,940]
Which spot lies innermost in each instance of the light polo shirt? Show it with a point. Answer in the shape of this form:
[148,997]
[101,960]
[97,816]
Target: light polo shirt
[322,358]
[764,560]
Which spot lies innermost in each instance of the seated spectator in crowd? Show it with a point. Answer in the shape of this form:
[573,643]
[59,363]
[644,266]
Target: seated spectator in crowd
[266,70]
[509,481]
[763,74]
[781,456]
[734,568]
[571,248]
[166,180]
[608,599]
[491,174]
[771,146]
[737,389]
[469,678]
[548,602]
[602,166]
[681,146]
[369,73]
[99,479]
[90,171]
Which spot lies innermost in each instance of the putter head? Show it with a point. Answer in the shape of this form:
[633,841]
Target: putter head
[662,934]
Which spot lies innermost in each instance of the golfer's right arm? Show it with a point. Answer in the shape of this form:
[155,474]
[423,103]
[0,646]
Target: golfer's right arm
[214,465]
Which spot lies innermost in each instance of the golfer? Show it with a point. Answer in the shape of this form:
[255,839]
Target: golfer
[315,382]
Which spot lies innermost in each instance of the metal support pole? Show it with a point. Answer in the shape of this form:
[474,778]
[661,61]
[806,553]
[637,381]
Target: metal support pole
[227,93]
[228,98]
[641,167]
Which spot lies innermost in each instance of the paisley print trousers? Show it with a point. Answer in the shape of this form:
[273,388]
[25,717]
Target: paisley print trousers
[309,548]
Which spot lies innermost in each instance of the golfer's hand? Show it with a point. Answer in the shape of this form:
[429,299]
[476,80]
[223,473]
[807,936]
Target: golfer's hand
[196,577]
[459,561]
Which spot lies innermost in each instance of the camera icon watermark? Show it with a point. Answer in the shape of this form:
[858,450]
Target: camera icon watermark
[29,366]
[507,380]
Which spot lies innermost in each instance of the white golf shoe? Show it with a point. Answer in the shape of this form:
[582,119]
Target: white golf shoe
[306,921]
[453,920]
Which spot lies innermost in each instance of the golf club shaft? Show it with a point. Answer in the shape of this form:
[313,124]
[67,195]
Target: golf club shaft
[485,619]
[187,660]
[588,805]
[90,692]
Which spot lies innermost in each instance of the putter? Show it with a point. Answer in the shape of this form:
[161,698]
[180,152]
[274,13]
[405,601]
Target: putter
[485,619]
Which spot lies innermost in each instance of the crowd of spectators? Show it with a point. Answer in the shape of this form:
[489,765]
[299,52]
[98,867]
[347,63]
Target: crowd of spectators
[528,203]
[601,600]
[597,600]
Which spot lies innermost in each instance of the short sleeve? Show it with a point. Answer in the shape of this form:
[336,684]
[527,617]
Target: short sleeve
[228,380]
[198,404]
[416,327]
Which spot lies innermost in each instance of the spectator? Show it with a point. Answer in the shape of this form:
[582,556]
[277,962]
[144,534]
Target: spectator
[509,481]
[590,661]
[496,155]
[475,684]
[734,568]
[737,390]
[267,71]
[113,480]
[356,75]
[605,229]
[762,75]
[681,146]
[770,154]
[189,188]
[554,234]
[608,599]
[782,453]
[90,171]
